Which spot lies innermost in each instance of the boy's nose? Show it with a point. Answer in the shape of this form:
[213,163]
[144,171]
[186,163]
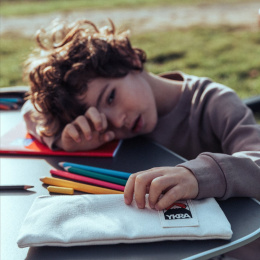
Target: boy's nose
[118,120]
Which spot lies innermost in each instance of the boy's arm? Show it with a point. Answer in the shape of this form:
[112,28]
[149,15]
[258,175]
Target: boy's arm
[223,176]
[218,116]
[77,135]
[236,172]
[26,111]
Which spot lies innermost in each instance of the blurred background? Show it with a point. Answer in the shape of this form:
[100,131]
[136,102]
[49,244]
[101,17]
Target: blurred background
[214,38]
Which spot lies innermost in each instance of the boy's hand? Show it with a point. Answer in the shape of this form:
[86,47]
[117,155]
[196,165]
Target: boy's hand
[86,132]
[174,183]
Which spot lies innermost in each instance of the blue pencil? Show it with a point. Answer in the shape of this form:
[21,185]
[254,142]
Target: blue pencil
[11,100]
[118,174]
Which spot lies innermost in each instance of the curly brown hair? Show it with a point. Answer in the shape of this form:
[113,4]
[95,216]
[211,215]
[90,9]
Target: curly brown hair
[68,56]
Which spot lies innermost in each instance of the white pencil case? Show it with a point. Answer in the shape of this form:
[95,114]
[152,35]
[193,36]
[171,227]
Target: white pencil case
[106,219]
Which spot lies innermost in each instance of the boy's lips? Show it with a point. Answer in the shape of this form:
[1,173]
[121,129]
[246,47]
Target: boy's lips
[138,125]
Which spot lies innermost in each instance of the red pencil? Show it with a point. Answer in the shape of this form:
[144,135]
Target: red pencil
[84,179]
[8,106]
[4,107]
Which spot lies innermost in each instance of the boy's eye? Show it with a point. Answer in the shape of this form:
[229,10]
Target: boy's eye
[111,96]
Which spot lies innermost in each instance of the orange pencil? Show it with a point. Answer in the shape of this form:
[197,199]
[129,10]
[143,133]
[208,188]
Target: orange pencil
[61,190]
[78,186]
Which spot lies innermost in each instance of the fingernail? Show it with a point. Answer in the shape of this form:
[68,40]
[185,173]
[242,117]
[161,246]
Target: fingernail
[140,206]
[127,201]
[109,137]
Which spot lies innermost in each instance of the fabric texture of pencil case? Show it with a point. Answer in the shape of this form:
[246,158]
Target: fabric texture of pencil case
[106,219]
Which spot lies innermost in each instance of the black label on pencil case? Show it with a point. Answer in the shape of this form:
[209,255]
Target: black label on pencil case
[179,214]
[178,210]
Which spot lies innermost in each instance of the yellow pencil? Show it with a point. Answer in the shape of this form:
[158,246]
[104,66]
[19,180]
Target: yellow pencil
[78,186]
[62,190]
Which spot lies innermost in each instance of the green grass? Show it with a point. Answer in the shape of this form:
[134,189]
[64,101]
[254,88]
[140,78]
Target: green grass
[229,55]
[23,7]
[13,51]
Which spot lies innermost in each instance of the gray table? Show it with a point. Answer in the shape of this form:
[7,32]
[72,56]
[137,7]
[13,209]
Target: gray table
[134,155]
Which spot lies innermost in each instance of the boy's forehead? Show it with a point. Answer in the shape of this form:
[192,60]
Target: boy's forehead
[95,91]
[98,82]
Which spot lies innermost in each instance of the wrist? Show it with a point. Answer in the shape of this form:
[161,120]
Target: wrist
[191,181]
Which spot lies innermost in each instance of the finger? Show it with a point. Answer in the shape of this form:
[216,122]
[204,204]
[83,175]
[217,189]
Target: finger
[104,121]
[129,189]
[71,131]
[83,125]
[106,137]
[94,115]
[171,196]
[158,186]
[139,190]
[142,182]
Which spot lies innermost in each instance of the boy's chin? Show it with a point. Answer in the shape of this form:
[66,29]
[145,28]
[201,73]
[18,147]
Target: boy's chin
[128,136]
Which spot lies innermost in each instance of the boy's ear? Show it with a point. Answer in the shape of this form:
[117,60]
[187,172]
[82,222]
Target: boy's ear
[137,62]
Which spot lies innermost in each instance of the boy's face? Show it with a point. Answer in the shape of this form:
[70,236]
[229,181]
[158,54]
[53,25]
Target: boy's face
[127,102]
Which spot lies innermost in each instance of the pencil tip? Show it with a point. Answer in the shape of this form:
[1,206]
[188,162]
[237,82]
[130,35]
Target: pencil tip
[28,187]
[61,164]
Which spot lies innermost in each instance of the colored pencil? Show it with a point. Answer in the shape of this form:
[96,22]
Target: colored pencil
[88,180]
[78,186]
[5,107]
[113,173]
[15,187]
[61,190]
[11,100]
[95,175]
[9,104]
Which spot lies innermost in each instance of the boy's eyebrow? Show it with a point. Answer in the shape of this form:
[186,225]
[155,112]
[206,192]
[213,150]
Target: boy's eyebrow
[101,95]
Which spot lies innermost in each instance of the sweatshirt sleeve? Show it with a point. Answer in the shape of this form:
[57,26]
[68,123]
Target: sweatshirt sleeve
[223,176]
[27,110]
[236,171]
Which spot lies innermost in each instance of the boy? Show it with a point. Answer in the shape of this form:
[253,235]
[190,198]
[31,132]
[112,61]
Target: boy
[88,87]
